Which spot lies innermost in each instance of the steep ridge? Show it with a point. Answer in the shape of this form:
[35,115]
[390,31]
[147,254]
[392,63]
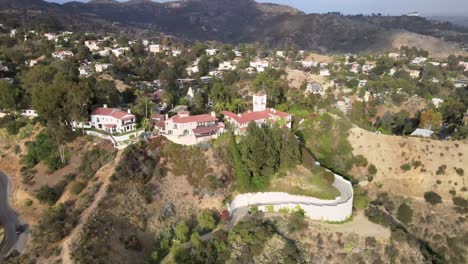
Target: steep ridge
[237,21]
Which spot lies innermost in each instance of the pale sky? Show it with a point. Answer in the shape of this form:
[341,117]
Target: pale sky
[392,7]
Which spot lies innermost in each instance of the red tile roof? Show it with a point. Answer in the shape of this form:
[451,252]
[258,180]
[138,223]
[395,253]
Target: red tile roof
[191,119]
[113,112]
[207,129]
[247,117]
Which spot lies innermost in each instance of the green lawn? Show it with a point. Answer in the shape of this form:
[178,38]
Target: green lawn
[301,181]
[299,110]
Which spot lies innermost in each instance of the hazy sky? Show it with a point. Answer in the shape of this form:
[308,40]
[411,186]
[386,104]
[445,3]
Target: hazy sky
[394,7]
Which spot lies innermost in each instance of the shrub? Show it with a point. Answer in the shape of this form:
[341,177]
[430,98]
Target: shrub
[405,213]
[284,210]
[361,200]
[460,201]
[133,243]
[405,167]
[212,183]
[416,163]
[12,125]
[39,150]
[372,169]
[441,170]
[47,194]
[360,161]
[459,171]
[432,198]
[270,208]
[181,232]
[296,221]
[28,202]
[206,220]
[78,187]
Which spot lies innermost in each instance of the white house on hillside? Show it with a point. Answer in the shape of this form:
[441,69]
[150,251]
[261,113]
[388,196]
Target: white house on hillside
[211,52]
[92,45]
[190,130]
[112,120]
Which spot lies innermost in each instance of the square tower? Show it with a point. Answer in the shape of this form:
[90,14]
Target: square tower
[259,102]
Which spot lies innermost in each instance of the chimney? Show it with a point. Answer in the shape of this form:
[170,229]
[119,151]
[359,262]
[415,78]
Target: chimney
[166,117]
[105,106]
[213,114]
[129,111]
[239,115]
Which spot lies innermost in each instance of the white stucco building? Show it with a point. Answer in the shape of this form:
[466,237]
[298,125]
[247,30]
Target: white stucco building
[112,120]
[190,130]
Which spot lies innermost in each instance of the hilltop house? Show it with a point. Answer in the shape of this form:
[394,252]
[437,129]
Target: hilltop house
[100,67]
[314,88]
[62,54]
[155,48]
[324,72]
[415,74]
[211,52]
[308,64]
[190,130]
[464,65]
[418,60]
[260,115]
[112,120]
[92,45]
[260,65]
[226,66]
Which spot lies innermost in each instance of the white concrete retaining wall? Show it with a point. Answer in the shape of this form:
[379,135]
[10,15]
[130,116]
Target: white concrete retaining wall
[335,210]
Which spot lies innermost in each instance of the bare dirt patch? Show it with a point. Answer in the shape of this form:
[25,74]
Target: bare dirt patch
[436,47]
[296,78]
[425,157]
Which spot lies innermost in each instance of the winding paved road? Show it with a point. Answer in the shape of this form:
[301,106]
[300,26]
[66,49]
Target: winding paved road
[10,221]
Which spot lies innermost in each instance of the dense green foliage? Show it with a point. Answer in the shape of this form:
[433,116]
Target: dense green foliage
[43,149]
[327,138]
[11,124]
[405,213]
[246,240]
[261,153]
[432,198]
[136,164]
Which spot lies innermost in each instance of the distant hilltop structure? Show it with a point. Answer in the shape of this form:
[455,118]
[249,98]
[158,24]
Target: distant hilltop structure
[413,14]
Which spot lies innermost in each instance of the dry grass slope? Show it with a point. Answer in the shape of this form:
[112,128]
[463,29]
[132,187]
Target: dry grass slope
[427,159]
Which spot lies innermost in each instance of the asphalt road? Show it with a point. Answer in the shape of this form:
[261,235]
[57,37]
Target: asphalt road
[10,221]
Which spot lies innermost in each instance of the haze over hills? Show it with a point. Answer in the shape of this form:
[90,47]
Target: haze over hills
[233,21]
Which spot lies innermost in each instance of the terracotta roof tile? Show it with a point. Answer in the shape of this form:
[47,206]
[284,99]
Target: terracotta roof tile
[114,112]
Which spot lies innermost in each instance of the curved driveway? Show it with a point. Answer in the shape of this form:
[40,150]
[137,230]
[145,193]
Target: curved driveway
[10,221]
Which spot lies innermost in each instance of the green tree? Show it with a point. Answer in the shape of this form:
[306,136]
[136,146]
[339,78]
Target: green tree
[9,96]
[206,220]
[405,213]
[203,65]
[181,232]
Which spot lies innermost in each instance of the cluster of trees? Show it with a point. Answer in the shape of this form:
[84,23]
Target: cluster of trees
[250,237]
[399,123]
[271,83]
[261,153]
[327,138]
[185,231]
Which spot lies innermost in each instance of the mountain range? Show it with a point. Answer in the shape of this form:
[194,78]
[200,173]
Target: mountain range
[232,21]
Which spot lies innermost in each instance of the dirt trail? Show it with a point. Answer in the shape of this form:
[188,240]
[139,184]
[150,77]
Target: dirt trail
[104,175]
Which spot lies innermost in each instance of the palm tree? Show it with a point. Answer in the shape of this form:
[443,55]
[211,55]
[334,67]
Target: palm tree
[218,107]
[239,104]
